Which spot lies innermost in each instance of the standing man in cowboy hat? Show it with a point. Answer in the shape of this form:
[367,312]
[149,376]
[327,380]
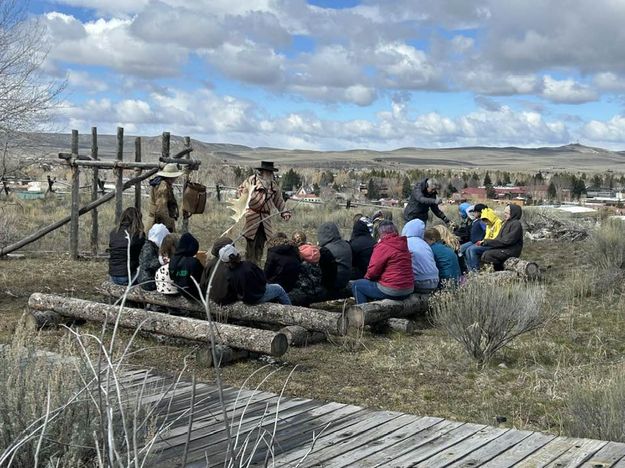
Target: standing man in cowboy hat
[264,196]
[163,204]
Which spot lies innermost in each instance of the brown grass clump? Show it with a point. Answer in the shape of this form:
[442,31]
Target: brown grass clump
[606,249]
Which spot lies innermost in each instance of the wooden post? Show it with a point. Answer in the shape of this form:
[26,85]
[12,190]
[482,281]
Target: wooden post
[218,192]
[185,221]
[94,192]
[165,145]
[73,232]
[119,185]
[137,174]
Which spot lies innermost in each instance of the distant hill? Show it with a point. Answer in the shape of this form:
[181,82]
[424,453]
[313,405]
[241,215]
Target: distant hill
[567,157]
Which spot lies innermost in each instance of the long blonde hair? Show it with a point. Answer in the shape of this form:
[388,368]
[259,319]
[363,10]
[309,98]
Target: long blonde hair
[448,237]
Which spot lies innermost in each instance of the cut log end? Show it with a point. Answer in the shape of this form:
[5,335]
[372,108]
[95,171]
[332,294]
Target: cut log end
[279,344]
[38,319]
[223,354]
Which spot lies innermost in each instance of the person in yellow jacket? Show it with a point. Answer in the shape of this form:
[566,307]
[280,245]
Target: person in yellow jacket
[493,225]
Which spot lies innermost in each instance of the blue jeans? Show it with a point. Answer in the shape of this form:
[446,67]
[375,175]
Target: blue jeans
[120,280]
[464,247]
[275,292]
[365,290]
[473,255]
[425,286]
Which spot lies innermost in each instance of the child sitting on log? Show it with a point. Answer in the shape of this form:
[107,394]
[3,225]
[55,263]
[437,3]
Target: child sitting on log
[184,269]
[130,225]
[217,274]
[248,280]
[149,259]
[283,262]
[362,244]
[424,269]
[309,288]
[164,283]
[446,259]
[389,275]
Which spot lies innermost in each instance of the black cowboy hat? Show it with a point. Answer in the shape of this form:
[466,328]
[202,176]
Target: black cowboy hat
[266,166]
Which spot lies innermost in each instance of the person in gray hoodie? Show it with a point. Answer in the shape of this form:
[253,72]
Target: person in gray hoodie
[509,241]
[336,257]
[424,267]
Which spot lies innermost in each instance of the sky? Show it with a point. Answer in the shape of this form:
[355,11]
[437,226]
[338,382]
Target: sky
[342,74]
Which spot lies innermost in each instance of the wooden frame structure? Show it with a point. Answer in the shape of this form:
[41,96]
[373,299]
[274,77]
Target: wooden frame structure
[75,161]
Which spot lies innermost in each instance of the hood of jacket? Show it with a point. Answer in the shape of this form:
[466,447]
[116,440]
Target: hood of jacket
[515,212]
[470,213]
[284,249]
[157,233]
[490,215]
[327,233]
[219,243]
[309,253]
[463,210]
[395,241]
[360,229]
[187,246]
[414,228]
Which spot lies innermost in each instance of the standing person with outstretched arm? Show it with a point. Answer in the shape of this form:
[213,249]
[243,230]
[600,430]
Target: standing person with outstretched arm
[424,197]
[163,204]
[264,195]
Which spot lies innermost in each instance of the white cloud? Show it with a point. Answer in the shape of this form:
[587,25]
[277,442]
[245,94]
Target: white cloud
[609,81]
[567,91]
[612,130]
[86,81]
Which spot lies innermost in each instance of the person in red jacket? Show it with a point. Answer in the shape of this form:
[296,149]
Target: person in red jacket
[389,275]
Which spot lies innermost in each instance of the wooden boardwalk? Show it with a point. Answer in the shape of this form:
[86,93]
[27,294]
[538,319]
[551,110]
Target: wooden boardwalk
[344,435]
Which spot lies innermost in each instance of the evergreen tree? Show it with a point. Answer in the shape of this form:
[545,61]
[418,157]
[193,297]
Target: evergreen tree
[406,188]
[373,191]
[490,192]
[596,182]
[316,189]
[291,180]
[506,178]
[552,193]
[487,180]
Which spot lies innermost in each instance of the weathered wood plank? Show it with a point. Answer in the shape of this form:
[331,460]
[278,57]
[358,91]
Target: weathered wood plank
[520,451]
[577,454]
[424,452]
[548,453]
[386,442]
[608,456]
[491,449]
[467,446]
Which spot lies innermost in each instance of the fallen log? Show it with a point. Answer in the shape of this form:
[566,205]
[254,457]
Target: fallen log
[251,339]
[526,269]
[401,325]
[224,355]
[38,319]
[299,336]
[310,319]
[359,315]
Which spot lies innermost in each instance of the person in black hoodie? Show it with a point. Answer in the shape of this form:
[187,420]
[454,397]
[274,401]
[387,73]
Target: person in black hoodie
[362,244]
[184,268]
[130,224]
[248,280]
[509,241]
[423,198]
[283,262]
[336,258]
[221,291]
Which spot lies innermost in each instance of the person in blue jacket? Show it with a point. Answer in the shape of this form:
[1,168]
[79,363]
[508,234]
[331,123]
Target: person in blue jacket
[424,269]
[446,259]
[478,228]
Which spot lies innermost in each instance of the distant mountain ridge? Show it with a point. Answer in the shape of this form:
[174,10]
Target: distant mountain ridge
[572,156]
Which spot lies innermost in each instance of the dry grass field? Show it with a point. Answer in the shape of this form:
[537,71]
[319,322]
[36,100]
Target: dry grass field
[545,380]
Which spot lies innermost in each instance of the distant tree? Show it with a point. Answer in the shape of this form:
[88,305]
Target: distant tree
[538,178]
[487,180]
[552,193]
[238,174]
[596,182]
[498,183]
[578,187]
[506,178]
[406,188]
[373,191]
[327,178]
[291,180]
[316,189]
[490,192]
[450,190]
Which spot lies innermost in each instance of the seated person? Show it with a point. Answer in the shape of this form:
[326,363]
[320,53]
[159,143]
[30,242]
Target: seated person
[509,241]
[447,237]
[164,283]
[424,269]
[463,230]
[149,261]
[446,259]
[220,290]
[389,275]
[336,258]
[307,252]
[283,262]
[474,253]
[130,224]
[184,269]
[361,244]
[309,288]
[478,227]
[248,280]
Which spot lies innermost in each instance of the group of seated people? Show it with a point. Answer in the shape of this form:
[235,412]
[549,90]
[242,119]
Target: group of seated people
[377,262]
